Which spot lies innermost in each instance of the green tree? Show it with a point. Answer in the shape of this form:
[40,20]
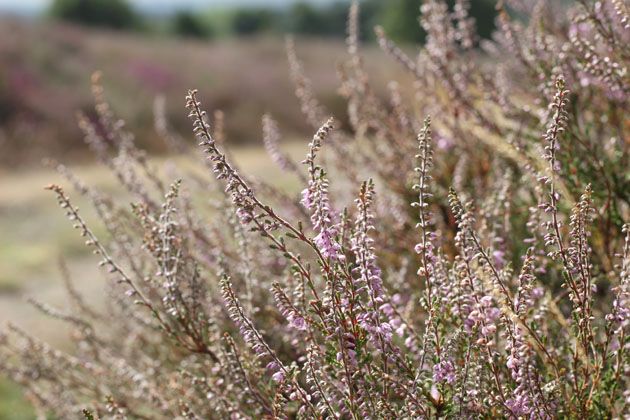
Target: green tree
[303,18]
[331,20]
[109,13]
[250,21]
[400,18]
[188,25]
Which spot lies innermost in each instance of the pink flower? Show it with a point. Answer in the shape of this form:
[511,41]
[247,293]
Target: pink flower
[278,376]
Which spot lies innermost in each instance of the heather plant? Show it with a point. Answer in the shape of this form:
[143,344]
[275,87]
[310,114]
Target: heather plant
[473,264]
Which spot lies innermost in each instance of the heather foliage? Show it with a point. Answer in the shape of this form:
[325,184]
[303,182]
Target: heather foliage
[475,264]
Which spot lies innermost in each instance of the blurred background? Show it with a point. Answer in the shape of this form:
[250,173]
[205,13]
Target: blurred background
[233,51]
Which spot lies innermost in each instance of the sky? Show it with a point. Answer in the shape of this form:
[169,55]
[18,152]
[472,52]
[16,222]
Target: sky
[37,6]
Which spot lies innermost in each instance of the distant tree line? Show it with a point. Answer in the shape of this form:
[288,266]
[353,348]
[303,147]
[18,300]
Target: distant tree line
[116,14]
[300,18]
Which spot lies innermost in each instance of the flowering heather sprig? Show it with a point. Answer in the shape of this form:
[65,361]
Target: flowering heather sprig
[167,252]
[78,322]
[251,335]
[485,313]
[617,334]
[352,40]
[482,315]
[322,390]
[527,398]
[112,216]
[444,372]
[622,13]
[315,145]
[73,215]
[270,140]
[465,31]
[470,244]
[88,415]
[621,305]
[287,309]
[266,221]
[366,267]
[112,407]
[425,248]
[557,126]
[240,193]
[526,279]
[122,277]
[249,208]
[601,69]
[578,253]
[441,34]
[425,162]
[315,198]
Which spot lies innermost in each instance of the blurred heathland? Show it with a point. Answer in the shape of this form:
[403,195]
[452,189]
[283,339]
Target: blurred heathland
[236,55]
[43,86]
